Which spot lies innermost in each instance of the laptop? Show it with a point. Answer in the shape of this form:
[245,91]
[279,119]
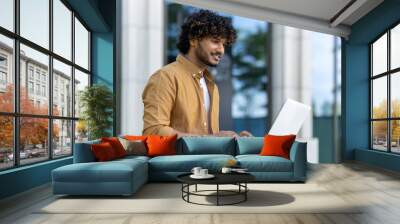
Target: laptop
[290,118]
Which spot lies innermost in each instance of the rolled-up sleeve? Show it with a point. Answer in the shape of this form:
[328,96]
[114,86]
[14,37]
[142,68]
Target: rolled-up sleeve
[159,99]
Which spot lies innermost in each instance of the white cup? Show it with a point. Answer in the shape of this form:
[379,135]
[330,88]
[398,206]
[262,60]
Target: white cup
[226,170]
[196,170]
[203,172]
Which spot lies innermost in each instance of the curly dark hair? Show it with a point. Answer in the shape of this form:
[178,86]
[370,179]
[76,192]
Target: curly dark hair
[205,23]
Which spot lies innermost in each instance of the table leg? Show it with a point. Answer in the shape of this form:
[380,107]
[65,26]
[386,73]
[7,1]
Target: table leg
[196,188]
[217,194]
[245,193]
[188,190]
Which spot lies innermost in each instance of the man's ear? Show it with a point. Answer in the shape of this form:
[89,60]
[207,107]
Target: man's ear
[193,43]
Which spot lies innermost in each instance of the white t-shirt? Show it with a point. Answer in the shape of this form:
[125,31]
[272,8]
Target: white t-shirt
[206,99]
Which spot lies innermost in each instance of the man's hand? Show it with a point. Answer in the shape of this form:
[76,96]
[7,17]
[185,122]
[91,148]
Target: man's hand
[226,134]
[245,134]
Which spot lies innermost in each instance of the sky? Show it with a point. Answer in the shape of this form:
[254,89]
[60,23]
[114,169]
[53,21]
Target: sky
[322,54]
[35,27]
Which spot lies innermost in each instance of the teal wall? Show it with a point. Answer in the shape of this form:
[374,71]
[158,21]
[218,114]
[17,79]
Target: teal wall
[99,16]
[355,82]
[24,178]
[103,56]
[102,62]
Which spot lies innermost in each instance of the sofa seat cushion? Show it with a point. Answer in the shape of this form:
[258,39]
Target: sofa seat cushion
[185,163]
[113,171]
[257,163]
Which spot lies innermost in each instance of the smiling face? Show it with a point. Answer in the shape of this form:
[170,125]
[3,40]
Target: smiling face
[209,50]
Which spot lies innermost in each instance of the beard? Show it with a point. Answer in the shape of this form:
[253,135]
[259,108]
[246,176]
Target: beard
[204,57]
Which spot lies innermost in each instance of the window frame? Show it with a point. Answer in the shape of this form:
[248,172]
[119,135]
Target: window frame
[16,114]
[388,74]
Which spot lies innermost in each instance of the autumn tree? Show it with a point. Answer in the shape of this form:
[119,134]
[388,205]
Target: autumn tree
[380,127]
[6,122]
[33,131]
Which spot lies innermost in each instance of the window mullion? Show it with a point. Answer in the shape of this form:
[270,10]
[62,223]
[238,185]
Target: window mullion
[50,81]
[370,98]
[73,82]
[389,76]
[16,84]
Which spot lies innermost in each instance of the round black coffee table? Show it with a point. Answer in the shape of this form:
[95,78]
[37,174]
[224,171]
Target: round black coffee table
[238,179]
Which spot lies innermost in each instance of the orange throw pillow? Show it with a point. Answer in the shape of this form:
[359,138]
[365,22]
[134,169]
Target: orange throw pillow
[161,145]
[277,145]
[116,145]
[103,151]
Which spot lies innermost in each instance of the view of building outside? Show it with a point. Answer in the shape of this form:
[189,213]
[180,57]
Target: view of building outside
[34,84]
[385,80]
[34,99]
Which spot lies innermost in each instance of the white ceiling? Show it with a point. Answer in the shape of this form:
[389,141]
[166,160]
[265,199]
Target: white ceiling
[321,9]
[315,15]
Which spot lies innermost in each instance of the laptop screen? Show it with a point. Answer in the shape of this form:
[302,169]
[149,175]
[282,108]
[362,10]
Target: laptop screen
[290,118]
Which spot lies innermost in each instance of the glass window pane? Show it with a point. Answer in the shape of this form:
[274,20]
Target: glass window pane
[35,21]
[81,131]
[81,81]
[395,95]
[6,142]
[379,98]
[379,135]
[395,136]
[34,97]
[81,45]
[7,14]
[33,140]
[62,29]
[379,56]
[395,47]
[6,74]
[62,138]
[62,89]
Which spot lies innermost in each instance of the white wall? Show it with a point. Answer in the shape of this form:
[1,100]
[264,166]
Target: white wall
[140,53]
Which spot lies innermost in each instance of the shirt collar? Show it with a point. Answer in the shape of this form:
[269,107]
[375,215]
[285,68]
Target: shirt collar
[194,70]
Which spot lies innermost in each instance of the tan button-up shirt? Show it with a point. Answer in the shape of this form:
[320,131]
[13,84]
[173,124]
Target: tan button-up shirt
[173,99]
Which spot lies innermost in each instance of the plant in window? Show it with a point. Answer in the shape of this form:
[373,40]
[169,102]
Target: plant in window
[97,102]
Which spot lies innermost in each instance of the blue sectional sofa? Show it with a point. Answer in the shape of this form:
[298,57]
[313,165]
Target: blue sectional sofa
[125,176]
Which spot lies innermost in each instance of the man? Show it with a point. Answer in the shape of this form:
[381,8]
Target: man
[182,98]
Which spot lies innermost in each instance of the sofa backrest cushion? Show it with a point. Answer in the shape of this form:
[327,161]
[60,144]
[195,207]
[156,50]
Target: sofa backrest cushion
[249,145]
[206,145]
[83,152]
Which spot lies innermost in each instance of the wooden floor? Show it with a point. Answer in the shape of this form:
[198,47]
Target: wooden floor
[378,188]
